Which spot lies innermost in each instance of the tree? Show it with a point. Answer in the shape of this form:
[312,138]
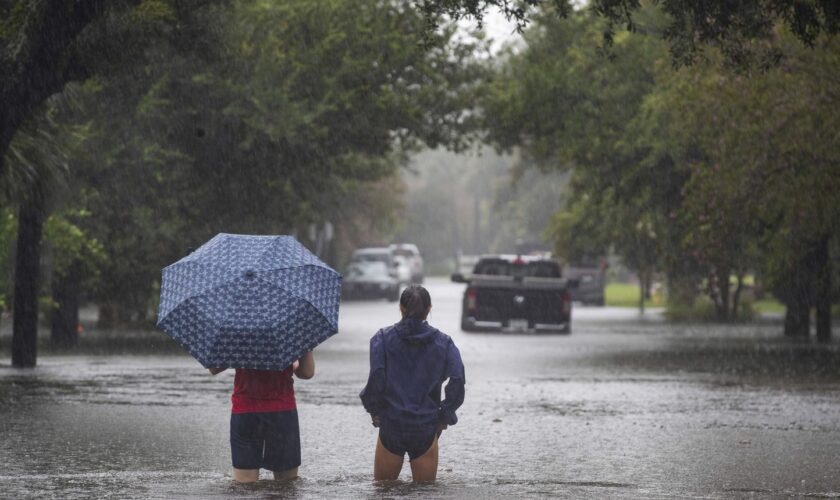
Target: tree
[690,26]
[38,156]
[570,108]
[263,138]
[706,172]
[46,45]
[43,47]
[769,172]
[254,136]
[75,259]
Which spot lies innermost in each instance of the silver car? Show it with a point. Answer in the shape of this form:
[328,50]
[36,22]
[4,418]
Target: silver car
[370,279]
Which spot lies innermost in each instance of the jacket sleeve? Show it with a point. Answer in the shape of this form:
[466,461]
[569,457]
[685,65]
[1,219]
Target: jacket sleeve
[454,392]
[373,395]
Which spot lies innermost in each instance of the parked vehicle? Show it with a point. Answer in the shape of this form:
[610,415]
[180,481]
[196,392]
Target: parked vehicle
[591,282]
[403,270]
[375,254]
[413,259]
[512,292]
[367,279]
[465,263]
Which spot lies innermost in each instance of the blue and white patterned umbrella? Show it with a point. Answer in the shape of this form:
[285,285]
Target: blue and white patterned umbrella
[243,301]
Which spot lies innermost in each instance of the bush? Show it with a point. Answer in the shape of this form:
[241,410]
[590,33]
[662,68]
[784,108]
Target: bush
[703,310]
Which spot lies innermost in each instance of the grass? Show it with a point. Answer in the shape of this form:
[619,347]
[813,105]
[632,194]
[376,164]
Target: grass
[772,305]
[768,306]
[627,295]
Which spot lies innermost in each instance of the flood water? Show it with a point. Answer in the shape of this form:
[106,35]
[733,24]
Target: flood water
[624,407]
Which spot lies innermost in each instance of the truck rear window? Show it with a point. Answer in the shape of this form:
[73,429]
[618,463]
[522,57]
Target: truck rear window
[501,267]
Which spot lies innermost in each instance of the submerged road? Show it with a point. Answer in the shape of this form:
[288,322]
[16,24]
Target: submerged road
[624,407]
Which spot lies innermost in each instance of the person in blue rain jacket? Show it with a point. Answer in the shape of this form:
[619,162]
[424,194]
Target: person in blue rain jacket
[409,361]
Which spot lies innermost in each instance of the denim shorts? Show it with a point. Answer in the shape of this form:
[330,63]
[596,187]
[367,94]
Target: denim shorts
[265,440]
[400,439]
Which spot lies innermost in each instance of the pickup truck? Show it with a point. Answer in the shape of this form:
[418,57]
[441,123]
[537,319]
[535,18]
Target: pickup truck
[512,292]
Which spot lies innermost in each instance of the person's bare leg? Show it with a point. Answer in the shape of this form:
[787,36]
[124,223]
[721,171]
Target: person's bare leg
[285,475]
[386,465]
[424,467]
[246,475]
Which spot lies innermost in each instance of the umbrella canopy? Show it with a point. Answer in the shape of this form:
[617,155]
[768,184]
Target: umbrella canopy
[245,301]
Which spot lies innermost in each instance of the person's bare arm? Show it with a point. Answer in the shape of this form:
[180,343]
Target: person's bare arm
[216,371]
[306,366]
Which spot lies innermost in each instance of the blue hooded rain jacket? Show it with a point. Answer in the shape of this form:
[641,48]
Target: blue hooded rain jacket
[409,361]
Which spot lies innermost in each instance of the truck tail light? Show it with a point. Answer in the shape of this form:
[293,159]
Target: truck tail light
[566,303]
[472,299]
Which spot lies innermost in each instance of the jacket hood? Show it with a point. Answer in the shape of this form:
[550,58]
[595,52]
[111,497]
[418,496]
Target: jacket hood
[415,330]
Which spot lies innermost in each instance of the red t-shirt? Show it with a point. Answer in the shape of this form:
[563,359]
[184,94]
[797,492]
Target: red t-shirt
[259,391]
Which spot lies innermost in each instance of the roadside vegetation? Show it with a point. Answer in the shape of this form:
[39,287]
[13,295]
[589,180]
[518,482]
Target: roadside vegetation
[189,118]
[704,174]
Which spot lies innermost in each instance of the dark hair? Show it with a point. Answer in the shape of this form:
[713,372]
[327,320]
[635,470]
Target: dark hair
[415,301]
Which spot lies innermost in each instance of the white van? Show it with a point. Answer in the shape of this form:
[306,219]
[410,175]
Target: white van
[411,254]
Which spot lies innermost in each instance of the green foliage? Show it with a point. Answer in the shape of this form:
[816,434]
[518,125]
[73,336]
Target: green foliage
[255,117]
[570,107]
[70,246]
[155,10]
[12,17]
[736,29]
[702,173]
[763,191]
[37,158]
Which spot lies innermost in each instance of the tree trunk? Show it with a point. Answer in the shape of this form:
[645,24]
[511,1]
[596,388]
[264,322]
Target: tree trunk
[642,281]
[798,318]
[27,268]
[723,290]
[140,314]
[823,289]
[10,122]
[107,316]
[65,317]
[736,297]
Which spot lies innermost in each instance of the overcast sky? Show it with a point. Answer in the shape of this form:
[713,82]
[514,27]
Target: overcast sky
[499,29]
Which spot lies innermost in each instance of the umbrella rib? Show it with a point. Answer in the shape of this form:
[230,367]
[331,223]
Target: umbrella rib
[198,312]
[318,262]
[273,285]
[209,267]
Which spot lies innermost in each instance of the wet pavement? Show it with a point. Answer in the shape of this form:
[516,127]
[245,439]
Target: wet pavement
[624,407]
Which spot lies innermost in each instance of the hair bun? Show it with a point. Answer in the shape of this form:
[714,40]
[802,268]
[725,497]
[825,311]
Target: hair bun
[416,302]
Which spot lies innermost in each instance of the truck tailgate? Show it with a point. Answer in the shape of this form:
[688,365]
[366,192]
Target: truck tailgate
[535,300]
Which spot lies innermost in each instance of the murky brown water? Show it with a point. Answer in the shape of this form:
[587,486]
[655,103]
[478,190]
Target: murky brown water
[622,408]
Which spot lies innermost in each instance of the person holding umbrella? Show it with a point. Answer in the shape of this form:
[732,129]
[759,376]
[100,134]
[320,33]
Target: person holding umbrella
[409,361]
[264,430]
[259,304]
